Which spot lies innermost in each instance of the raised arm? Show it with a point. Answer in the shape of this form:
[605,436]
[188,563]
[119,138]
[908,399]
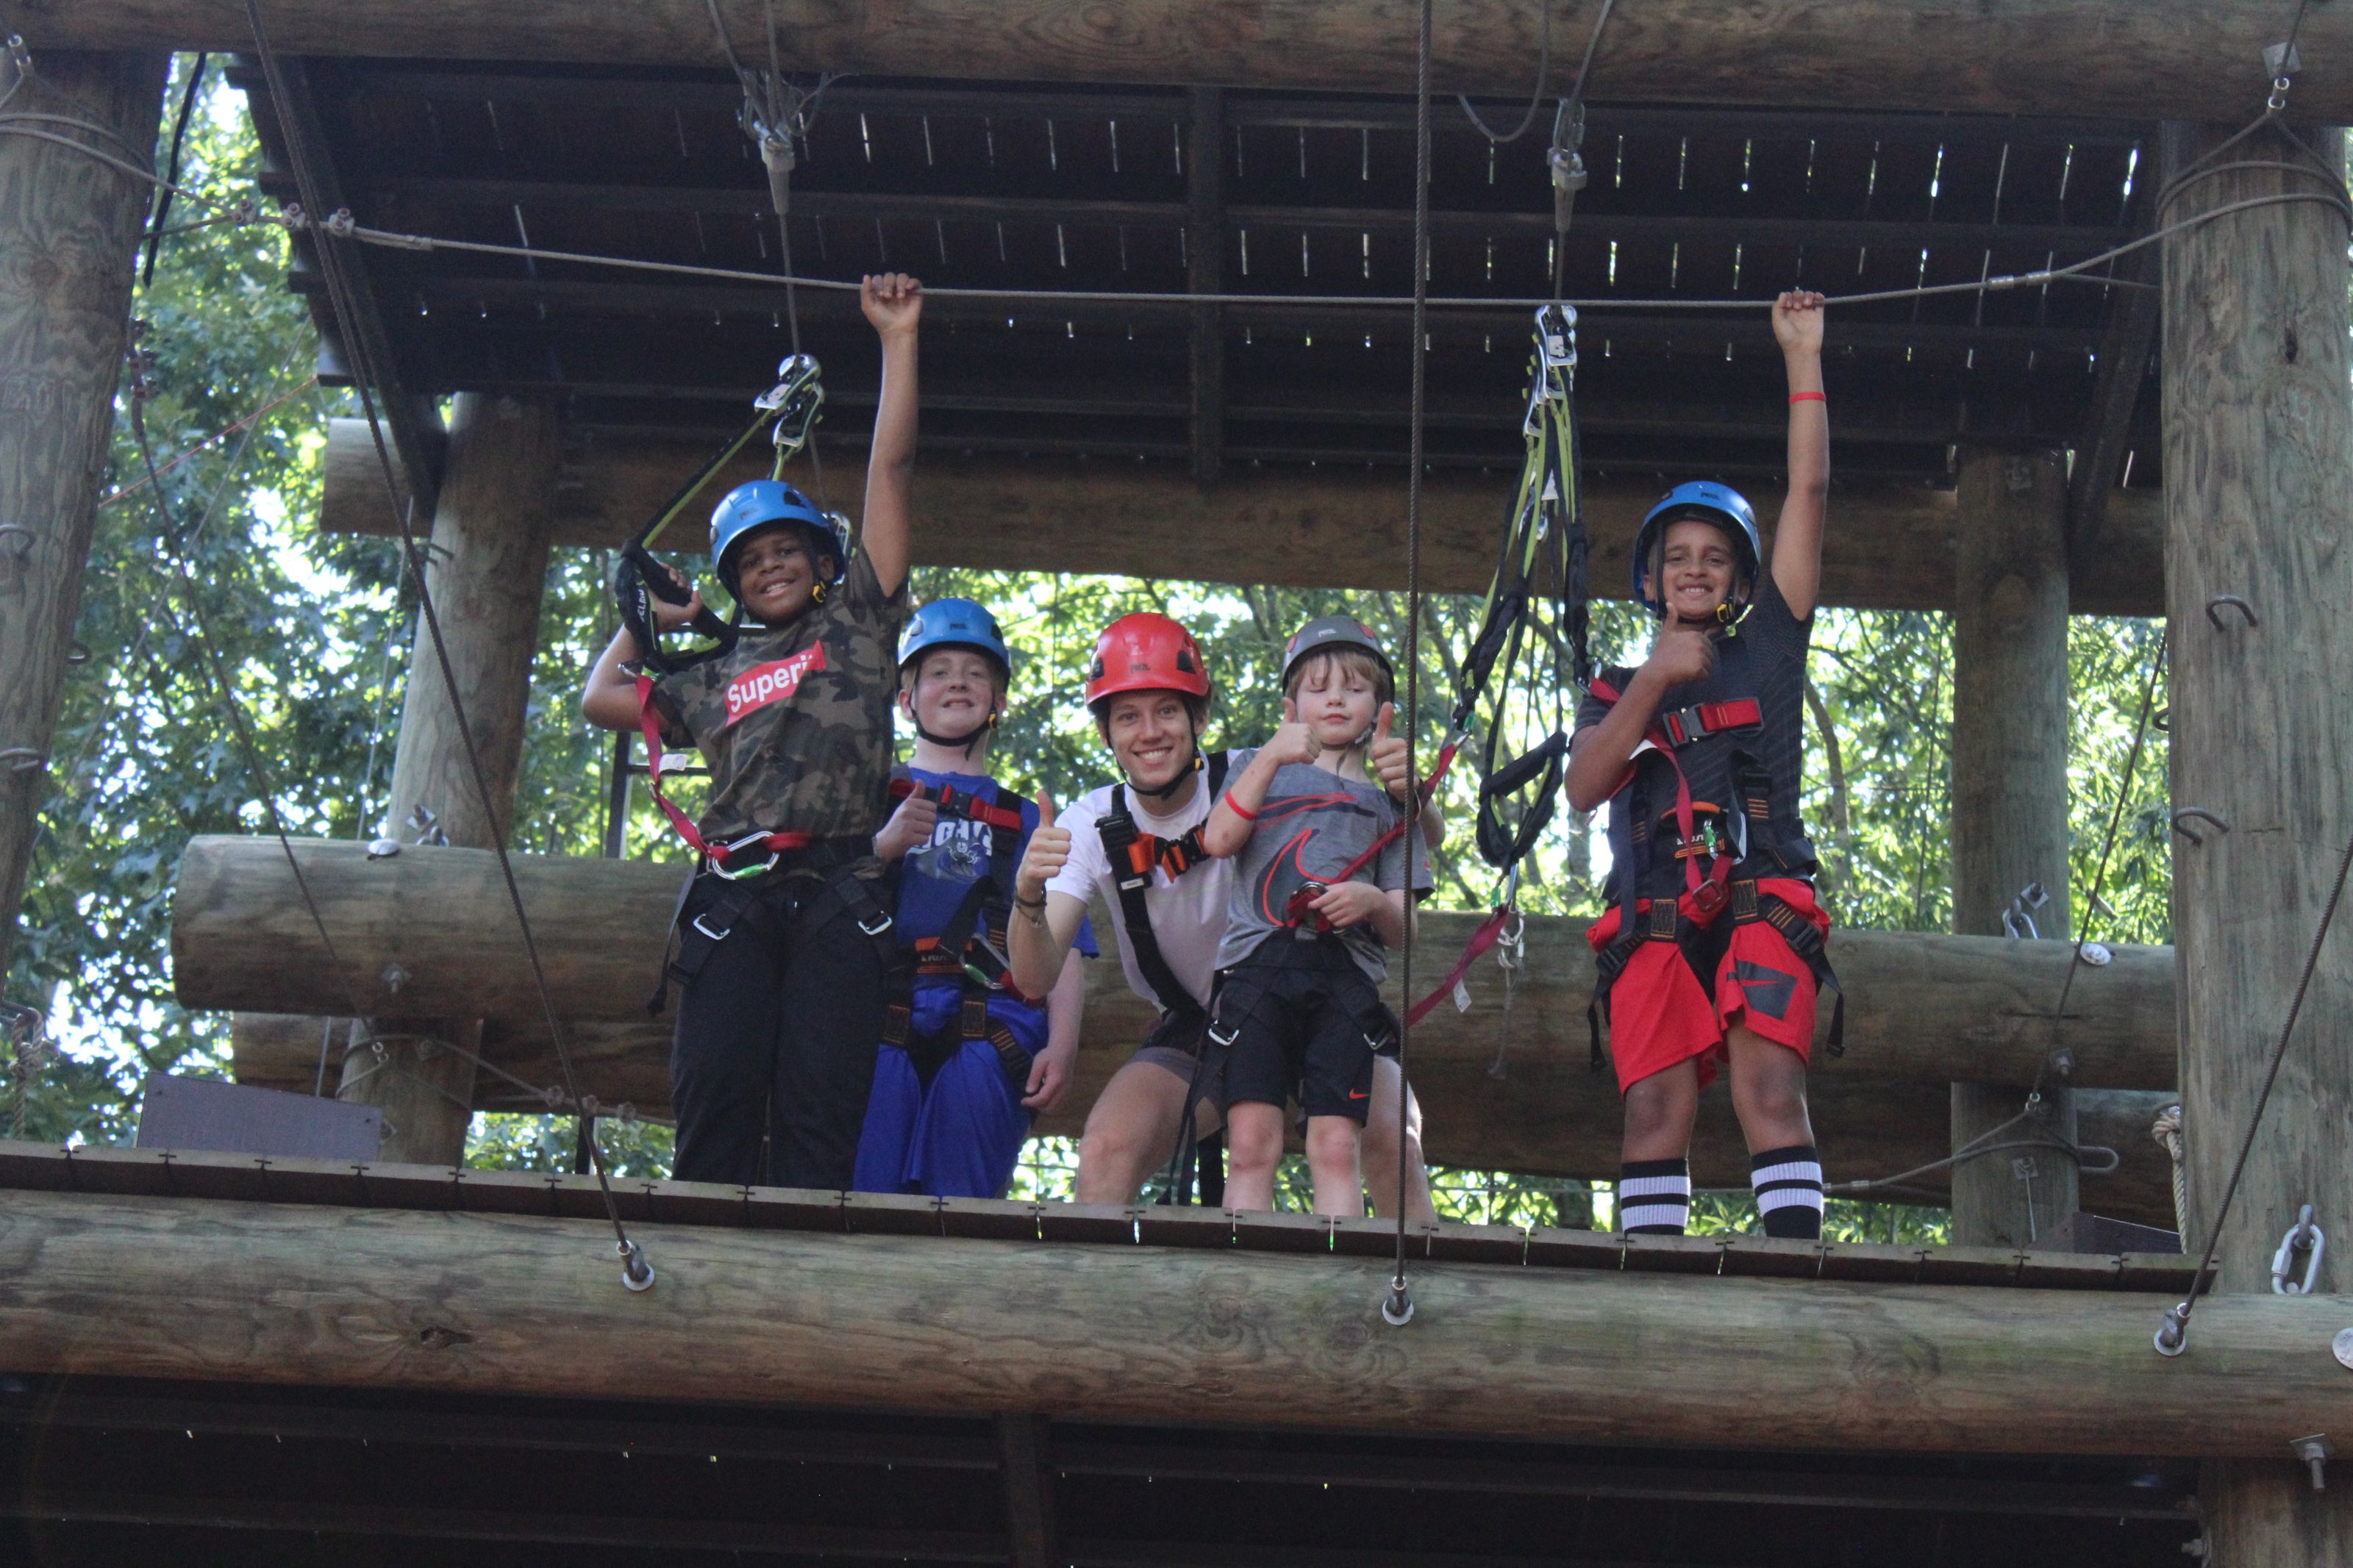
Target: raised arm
[1797,537]
[893,303]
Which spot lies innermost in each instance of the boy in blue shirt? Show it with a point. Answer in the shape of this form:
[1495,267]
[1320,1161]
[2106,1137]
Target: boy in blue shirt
[967,1060]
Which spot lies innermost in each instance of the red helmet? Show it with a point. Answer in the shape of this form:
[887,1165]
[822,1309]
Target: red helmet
[1146,652]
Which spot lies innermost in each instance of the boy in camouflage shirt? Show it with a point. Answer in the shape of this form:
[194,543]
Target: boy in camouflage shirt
[783,949]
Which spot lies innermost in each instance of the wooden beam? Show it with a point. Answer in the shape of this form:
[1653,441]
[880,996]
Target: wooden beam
[2009,810]
[2194,59]
[487,565]
[1548,1116]
[1022,1444]
[2258,425]
[73,226]
[1921,1008]
[414,432]
[504,1303]
[2127,350]
[1205,273]
[1890,546]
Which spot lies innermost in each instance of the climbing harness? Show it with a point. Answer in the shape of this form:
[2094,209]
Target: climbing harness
[1538,601]
[1535,602]
[970,948]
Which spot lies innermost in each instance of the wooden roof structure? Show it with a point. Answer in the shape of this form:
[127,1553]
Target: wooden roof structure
[1151,191]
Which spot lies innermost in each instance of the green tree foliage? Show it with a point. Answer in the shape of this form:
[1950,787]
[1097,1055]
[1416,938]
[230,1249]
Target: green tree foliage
[314,632]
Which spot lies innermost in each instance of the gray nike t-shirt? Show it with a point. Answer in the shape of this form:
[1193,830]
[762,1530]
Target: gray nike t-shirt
[1312,825]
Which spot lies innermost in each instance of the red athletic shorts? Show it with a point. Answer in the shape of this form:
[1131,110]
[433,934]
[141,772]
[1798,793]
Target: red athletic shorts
[1660,1015]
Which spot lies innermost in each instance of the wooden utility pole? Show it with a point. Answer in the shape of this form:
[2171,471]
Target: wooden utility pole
[487,568]
[69,229]
[2009,809]
[2259,502]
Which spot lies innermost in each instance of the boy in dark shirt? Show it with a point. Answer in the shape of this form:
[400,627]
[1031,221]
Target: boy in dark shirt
[1319,897]
[783,937]
[1713,948]
[967,1060]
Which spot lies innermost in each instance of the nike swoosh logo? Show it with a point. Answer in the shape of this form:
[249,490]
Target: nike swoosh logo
[1357,1094]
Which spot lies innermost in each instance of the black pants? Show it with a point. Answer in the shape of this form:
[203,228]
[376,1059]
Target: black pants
[777,1036]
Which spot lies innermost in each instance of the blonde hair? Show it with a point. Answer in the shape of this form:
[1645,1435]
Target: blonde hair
[1346,660]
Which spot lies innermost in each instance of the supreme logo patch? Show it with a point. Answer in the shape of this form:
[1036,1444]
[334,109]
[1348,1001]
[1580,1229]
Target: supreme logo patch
[771,682]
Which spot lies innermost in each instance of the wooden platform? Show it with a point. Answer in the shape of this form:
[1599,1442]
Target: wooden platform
[272,1360]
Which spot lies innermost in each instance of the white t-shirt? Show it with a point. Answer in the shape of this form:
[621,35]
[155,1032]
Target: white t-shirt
[1188,913]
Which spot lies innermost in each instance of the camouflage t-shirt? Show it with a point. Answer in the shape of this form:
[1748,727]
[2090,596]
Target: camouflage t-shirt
[794,721]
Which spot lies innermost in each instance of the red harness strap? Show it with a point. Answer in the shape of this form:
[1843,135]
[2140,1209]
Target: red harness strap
[957,803]
[1669,733]
[770,843]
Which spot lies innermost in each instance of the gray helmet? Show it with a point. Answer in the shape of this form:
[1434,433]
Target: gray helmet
[1331,631]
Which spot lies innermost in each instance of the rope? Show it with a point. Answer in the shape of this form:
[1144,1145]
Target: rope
[1398,1309]
[270,406]
[2166,1131]
[636,1273]
[1543,71]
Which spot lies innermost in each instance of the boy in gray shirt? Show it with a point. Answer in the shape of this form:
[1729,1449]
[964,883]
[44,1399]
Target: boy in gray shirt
[1318,899]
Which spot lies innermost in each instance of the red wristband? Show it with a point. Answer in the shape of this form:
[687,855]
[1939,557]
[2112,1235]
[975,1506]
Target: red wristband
[1236,807]
[1808,397]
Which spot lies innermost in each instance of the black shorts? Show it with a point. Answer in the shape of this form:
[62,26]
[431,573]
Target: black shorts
[1301,1021]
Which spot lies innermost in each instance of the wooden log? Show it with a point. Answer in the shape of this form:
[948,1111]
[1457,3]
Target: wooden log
[487,566]
[1548,1116]
[71,226]
[2009,807]
[506,1304]
[2138,59]
[1921,1008]
[2258,424]
[1891,547]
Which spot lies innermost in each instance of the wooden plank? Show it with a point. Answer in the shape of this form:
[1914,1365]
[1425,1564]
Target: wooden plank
[1890,547]
[1135,1334]
[2257,429]
[2190,59]
[73,226]
[1205,273]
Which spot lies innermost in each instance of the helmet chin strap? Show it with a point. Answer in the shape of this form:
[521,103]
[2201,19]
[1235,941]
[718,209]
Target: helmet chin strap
[1183,776]
[964,743]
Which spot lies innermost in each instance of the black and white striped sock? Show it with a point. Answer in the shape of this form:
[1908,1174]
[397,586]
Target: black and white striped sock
[1654,1197]
[1788,1183]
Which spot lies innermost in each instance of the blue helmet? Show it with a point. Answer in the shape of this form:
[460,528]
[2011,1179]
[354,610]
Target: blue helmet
[1709,502]
[955,623]
[764,503]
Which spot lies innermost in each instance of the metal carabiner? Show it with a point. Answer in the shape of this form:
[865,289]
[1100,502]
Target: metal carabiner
[2308,1239]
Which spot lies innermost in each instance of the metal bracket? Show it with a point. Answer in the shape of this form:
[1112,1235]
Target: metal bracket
[428,828]
[2214,608]
[394,977]
[2201,812]
[2315,1452]
[2018,919]
[2282,59]
[2305,1237]
[2342,1347]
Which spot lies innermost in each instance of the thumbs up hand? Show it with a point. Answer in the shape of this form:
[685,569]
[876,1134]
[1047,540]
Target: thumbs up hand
[1049,851]
[1387,756]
